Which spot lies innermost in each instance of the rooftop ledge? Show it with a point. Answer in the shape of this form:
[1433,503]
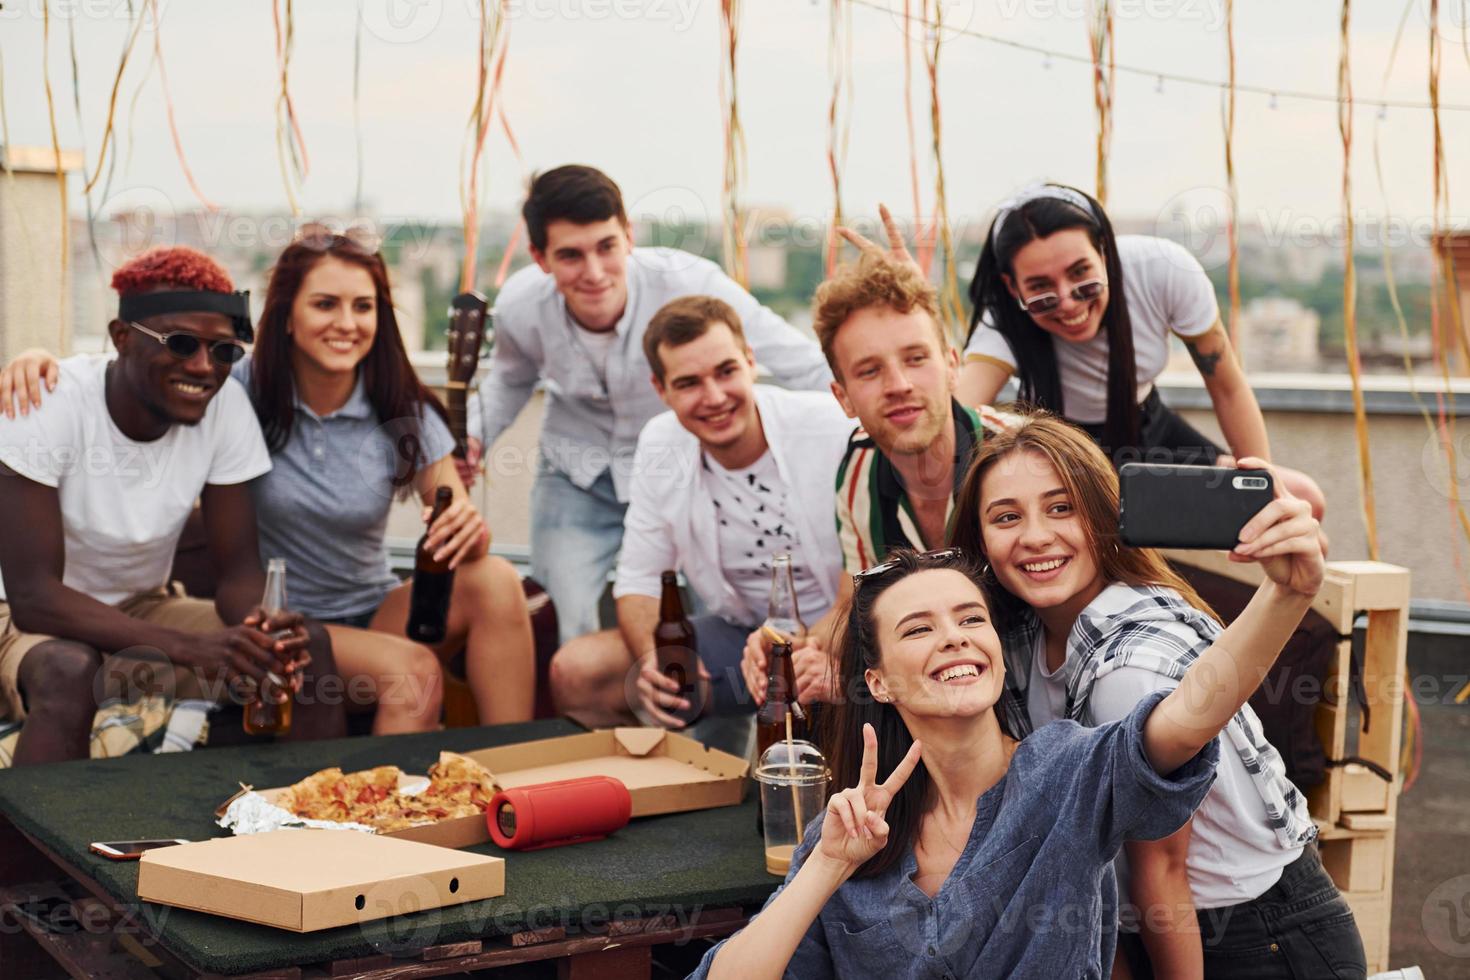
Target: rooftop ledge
[1383,394]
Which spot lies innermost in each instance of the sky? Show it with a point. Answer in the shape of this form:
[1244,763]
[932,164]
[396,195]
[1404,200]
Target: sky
[632,86]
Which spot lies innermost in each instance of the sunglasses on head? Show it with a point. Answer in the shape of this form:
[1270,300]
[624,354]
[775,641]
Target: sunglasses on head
[1046,302]
[943,554]
[184,345]
[322,235]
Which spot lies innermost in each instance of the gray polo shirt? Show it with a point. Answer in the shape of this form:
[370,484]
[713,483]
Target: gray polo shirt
[324,505]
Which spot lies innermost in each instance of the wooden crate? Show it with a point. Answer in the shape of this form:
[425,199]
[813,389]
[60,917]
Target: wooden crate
[1354,807]
[1371,910]
[1349,587]
[1359,863]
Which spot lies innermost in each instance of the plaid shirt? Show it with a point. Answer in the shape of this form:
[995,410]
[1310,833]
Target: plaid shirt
[1153,628]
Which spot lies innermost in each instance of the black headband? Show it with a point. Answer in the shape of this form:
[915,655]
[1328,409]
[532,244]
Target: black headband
[236,306]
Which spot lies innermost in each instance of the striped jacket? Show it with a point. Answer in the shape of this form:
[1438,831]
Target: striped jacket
[874,515]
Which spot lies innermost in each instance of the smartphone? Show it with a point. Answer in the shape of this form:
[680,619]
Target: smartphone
[1167,506]
[130,850]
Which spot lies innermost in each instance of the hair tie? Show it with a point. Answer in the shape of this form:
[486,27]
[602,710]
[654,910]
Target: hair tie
[1036,192]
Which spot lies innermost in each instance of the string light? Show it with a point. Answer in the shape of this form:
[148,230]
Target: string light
[1048,55]
[1273,100]
[1159,85]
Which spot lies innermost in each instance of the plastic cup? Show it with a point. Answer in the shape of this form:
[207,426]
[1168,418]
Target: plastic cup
[793,779]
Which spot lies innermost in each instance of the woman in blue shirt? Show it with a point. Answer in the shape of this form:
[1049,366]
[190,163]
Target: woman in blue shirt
[981,855]
[350,427]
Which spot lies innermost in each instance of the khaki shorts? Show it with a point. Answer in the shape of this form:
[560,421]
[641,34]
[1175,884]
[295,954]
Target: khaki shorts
[124,676]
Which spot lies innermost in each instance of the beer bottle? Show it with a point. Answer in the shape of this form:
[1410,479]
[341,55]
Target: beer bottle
[269,713]
[433,584]
[782,614]
[771,719]
[676,649]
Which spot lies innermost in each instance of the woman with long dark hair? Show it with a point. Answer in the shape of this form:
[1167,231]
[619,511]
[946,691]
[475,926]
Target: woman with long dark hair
[350,427]
[955,849]
[1092,630]
[1082,318]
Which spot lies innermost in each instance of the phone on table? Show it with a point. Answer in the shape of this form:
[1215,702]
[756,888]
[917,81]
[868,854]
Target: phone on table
[130,850]
[1168,506]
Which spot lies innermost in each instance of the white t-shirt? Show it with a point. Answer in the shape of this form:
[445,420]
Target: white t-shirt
[124,503]
[598,344]
[1046,693]
[1167,290]
[753,508]
[1233,854]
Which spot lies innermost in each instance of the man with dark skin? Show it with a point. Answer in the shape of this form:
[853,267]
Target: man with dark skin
[63,629]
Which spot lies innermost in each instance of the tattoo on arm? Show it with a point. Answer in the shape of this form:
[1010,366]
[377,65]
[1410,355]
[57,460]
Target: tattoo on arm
[1205,362]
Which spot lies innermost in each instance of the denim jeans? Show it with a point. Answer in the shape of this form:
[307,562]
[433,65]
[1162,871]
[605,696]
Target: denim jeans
[575,536]
[1299,929]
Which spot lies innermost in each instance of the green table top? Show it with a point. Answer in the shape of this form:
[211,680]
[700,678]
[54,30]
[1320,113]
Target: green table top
[675,864]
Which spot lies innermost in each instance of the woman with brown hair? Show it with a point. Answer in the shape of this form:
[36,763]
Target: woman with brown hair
[978,854]
[1091,629]
[350,427]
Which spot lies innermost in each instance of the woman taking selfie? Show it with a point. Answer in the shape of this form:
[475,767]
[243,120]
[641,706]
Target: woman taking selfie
[1093,629]
[958,850]
[350,428]
[1082,319]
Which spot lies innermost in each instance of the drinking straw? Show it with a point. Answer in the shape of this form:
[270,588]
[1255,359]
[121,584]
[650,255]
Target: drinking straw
[791,764]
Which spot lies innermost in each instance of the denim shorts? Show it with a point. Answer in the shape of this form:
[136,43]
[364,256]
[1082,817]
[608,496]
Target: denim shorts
[1300,929]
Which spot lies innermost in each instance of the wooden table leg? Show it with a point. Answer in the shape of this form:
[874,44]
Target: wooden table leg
[618,963]
[19,858]
[21,957]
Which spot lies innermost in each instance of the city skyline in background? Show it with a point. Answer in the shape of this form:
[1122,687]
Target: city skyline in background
[1291,282]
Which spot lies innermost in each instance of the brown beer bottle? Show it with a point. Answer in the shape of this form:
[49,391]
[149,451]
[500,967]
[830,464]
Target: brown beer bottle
[676,649]
[269,713]
[770,720]
[433,584]
[780,704]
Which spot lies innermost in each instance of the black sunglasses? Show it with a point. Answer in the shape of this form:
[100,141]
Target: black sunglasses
[943,554]
[184,345]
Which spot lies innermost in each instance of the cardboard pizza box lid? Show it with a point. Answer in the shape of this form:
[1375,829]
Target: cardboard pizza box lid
[305,880]
[665,772]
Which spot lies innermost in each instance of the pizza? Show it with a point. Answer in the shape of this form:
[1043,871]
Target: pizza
[458,787]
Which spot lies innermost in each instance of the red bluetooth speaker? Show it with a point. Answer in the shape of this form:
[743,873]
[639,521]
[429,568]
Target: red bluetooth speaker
[551,814]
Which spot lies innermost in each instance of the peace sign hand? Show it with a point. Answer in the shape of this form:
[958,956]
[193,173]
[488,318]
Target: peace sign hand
[897,250]
[854,829]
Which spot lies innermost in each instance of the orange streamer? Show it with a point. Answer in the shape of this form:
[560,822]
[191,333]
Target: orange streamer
[950,306]
[736,259]
[1350,279]
[168,105]
[1103,72]
[1232,227]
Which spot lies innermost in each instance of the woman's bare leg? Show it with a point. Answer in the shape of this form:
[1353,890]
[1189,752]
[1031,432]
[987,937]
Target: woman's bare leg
[489,621]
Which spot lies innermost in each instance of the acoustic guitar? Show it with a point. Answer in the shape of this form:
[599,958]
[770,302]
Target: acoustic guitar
[469,314]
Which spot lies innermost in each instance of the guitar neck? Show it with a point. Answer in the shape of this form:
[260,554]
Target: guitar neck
[455,403]
[467,315]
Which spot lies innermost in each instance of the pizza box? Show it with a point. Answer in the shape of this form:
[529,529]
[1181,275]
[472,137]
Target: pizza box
[665,772]
[304,880]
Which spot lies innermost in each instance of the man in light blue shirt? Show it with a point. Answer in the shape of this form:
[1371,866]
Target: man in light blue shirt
[575,323]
